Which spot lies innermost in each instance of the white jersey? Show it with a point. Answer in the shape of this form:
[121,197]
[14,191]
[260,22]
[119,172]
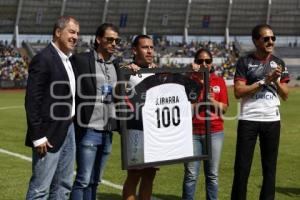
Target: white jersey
[136,79]
[261,106]
[167,121]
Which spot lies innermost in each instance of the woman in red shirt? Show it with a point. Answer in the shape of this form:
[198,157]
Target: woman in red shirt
[219,103]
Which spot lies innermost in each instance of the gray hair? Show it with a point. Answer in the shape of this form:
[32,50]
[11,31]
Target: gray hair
[62,22]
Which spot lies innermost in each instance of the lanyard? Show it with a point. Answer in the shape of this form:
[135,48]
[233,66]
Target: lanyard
[104,70]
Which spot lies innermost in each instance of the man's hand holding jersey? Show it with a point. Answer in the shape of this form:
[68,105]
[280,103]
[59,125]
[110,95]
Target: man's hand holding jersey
[136,68]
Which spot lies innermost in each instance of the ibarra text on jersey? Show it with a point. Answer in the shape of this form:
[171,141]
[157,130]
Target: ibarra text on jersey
[167,100]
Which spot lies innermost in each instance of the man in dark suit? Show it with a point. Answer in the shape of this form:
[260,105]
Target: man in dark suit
[96,73]
[50,107]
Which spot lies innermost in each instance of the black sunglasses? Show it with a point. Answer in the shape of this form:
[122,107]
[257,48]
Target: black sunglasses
[110,40]
[200,61]
[267,38]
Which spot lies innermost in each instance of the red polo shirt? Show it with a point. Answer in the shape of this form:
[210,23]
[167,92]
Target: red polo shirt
[219,90]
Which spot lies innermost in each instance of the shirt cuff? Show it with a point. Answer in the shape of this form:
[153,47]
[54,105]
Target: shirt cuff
[39,141]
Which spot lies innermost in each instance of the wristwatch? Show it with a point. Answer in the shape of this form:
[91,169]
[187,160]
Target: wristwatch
[261,83]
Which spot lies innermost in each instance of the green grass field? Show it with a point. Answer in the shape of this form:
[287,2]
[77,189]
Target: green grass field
[15,172]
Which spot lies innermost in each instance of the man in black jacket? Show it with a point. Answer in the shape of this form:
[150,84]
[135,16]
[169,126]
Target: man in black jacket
[50,107]
[96,73]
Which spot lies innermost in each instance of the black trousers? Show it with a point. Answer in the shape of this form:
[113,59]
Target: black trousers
[247,132]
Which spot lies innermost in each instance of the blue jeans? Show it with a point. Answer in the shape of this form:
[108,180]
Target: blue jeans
[52,174]
[92,153]
[211,167]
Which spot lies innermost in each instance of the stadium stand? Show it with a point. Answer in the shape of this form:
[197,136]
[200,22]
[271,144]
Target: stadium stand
[167,17]
[178,27]
[13,67]
[208,17]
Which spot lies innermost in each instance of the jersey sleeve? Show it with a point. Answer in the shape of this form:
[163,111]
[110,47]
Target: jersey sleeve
[285,76]
[193,89]
[134,100]
[240,70]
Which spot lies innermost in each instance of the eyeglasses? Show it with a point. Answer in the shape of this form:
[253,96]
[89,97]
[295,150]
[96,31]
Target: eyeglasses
[110,40]
[200,61]
[267,38]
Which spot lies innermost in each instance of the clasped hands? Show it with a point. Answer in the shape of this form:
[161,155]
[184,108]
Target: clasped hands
[273,76]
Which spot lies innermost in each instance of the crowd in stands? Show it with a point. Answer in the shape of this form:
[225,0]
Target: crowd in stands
[13,66]
[227,54]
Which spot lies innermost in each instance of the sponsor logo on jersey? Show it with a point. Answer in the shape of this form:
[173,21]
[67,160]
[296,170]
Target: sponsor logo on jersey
[263,96]
[250,65]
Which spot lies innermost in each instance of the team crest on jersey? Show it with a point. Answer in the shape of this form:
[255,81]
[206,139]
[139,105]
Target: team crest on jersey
[273,64]
[216,89]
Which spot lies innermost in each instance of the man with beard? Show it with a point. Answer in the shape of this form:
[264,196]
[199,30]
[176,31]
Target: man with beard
[149,92]
[95,117]
[143,50]
[260,79]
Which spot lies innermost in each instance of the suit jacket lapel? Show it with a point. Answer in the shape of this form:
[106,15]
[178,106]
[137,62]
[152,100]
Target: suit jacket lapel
[57,61]
[116,63]
[93,68]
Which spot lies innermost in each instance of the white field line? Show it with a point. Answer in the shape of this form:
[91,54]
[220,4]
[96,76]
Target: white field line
[10,107]
[15,155]
[104,182]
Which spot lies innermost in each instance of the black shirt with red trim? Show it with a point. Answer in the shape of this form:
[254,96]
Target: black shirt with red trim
[252,69]
[263,105]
